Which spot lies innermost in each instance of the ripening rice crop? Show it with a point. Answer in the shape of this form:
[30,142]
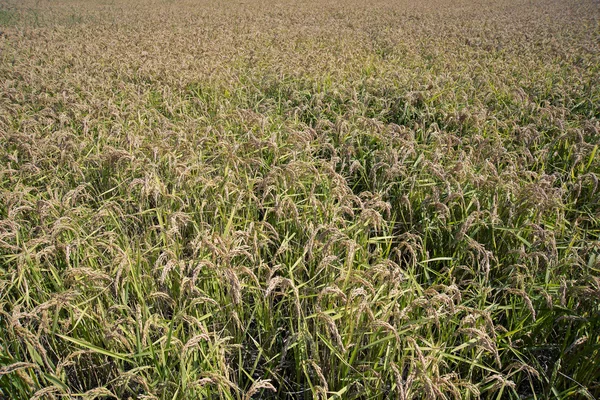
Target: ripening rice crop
[299,200]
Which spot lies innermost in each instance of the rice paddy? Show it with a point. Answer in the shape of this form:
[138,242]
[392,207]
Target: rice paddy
[319,200]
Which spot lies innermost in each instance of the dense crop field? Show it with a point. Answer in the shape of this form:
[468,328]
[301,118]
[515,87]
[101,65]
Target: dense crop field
[299,200]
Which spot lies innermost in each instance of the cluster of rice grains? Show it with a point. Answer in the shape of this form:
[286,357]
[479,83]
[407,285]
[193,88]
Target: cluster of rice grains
[299,200]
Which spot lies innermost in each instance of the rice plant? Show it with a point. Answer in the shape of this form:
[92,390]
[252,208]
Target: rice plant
[325,200]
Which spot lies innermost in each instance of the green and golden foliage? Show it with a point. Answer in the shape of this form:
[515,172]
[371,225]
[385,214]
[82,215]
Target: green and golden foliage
[332,199]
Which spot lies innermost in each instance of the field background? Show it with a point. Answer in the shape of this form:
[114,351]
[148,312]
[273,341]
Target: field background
[323,199]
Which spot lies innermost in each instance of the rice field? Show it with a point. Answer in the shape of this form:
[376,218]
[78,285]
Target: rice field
[268,199]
